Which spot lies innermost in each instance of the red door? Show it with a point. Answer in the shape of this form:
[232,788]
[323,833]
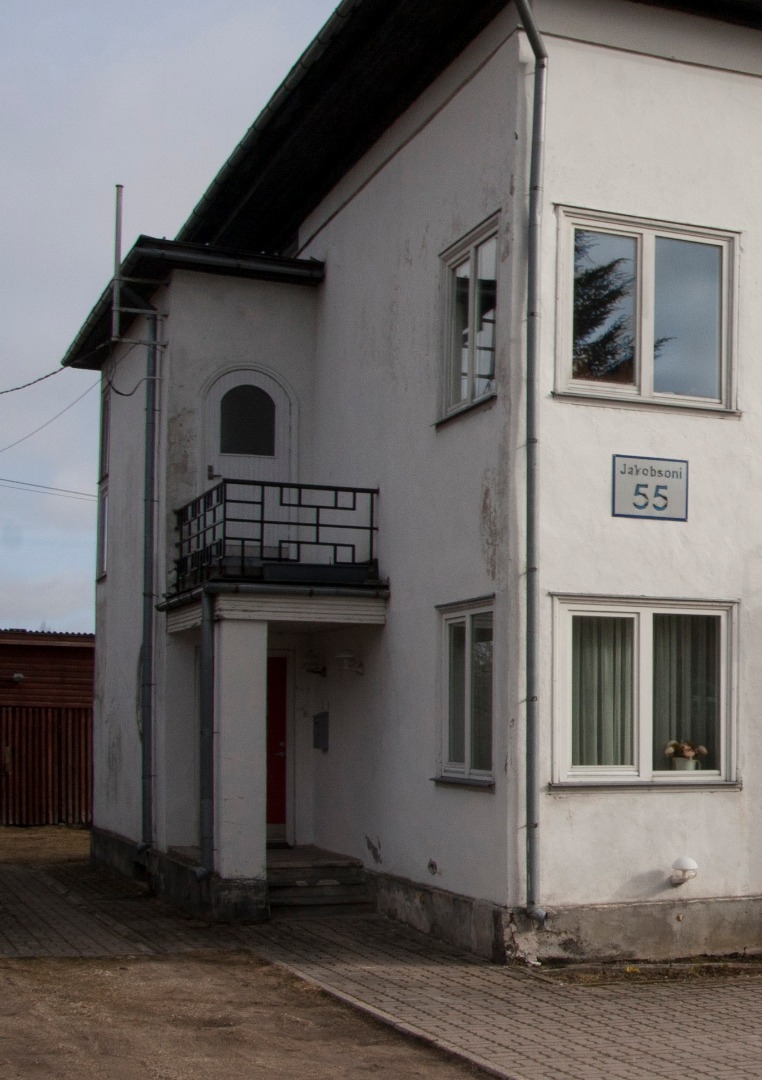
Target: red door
[276,740]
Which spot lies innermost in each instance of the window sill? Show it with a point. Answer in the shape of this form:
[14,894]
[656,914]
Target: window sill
[481,405]
[580,397]
[649,786]
[481,783]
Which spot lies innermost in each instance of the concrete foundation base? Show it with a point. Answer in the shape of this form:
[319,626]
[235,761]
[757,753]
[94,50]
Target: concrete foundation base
[663,930]
[474,925]
[221,899]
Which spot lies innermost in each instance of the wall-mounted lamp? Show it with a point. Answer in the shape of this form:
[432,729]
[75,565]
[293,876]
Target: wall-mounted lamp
[683,869]
[350,662]
[314,665]
[17,677]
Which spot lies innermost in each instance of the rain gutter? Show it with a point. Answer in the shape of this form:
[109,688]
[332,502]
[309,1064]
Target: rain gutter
[149,599]
[532,779]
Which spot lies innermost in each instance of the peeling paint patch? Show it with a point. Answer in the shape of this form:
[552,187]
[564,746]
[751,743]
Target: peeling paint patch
[181,445]
[488,524]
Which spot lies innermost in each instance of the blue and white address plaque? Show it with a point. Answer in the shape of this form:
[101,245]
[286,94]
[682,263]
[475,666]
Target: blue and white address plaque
[644,487]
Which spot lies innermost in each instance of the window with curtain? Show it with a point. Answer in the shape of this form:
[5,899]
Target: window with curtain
[643,691]
[602,690]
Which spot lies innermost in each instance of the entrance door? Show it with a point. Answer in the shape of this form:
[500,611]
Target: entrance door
[277,669]
[247,428]
[249,424]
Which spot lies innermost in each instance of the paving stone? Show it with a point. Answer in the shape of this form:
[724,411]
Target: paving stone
[514,1023]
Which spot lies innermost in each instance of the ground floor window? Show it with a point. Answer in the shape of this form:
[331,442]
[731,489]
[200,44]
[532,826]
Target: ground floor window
[643,690]
[468,635]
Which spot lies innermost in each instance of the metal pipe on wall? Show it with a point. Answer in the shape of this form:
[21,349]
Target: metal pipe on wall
[532,580]
[206,736]
[149,599]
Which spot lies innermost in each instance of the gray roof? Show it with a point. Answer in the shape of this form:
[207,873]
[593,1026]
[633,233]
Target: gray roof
[367,65]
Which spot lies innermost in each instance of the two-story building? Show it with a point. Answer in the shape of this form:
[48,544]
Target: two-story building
[428,533]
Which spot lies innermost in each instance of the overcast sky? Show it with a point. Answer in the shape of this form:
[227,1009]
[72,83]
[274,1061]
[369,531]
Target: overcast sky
[154,96]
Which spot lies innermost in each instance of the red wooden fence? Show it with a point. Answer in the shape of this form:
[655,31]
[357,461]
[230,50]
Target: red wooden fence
[46,776]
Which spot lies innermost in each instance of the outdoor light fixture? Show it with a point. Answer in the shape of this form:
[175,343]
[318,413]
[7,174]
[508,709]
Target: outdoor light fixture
[683,869]
[349,662]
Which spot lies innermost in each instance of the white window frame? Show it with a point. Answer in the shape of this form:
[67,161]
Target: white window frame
[453,614]
[644,231]
[455,256]
[641,611]
[103,473]
[101,562]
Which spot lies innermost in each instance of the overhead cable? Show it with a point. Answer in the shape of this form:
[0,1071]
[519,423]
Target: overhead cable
[31,433]
[47,488]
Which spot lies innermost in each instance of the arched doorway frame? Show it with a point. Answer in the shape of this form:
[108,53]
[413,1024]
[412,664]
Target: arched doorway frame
[284,465]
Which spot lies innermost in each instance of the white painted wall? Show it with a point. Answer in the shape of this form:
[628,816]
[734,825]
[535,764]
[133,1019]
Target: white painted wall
[117,745]
[667,133]
[446,166]
[676,138]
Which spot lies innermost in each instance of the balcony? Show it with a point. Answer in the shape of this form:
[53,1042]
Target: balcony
[278,533]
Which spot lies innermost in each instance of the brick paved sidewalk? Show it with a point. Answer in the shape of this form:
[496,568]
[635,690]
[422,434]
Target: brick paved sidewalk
[512,1022]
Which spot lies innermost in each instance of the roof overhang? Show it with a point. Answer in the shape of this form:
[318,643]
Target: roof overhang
[743,12]
[149,264]
[372,59]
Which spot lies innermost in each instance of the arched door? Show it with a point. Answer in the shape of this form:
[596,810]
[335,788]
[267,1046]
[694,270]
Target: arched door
[248,428]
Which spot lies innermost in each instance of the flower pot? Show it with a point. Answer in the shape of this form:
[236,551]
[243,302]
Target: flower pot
[685,764]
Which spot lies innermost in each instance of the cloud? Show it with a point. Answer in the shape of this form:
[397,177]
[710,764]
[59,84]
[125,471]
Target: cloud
[62,602]
[154,96]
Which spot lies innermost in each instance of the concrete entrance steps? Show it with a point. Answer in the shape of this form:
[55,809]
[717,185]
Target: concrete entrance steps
[308,880]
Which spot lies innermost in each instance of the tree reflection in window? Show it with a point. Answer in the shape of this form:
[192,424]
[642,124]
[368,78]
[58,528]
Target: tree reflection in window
[247,422]
[604,307]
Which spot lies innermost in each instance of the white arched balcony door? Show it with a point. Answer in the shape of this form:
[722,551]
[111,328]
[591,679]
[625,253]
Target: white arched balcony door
[248,428]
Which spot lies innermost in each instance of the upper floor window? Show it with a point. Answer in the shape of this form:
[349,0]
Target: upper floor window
[471,269]
[103,469]
[105,435]
[646,310]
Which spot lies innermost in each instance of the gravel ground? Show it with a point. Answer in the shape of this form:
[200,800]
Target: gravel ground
[205,1013]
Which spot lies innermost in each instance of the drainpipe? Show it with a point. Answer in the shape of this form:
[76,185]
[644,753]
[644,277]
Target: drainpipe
[534,910]
[149,516]
[206,738]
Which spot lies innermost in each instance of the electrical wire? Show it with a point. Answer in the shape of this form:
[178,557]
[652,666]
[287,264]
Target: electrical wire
[47,489]
[47,422]
[34,382]
[60,495]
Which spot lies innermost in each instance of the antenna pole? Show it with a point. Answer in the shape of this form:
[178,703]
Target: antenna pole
[116,298]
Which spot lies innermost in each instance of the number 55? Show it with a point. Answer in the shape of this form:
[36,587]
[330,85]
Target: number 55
[660,502]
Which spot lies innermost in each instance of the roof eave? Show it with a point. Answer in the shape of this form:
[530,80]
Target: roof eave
[149,264]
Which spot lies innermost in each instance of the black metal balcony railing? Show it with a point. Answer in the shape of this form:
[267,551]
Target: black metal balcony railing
[278,532]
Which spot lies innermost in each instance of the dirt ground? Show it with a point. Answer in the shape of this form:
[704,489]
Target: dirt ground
[225,1014]
[46,844]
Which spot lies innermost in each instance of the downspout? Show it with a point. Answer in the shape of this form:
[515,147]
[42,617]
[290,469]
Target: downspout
[206,738]
[149,544]
[534,910]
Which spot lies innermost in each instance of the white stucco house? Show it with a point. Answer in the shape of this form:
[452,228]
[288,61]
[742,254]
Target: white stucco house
[429,535]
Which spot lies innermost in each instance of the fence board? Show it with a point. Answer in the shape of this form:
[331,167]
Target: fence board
[47,765]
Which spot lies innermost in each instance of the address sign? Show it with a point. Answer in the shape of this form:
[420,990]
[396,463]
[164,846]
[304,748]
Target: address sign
[654,488]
